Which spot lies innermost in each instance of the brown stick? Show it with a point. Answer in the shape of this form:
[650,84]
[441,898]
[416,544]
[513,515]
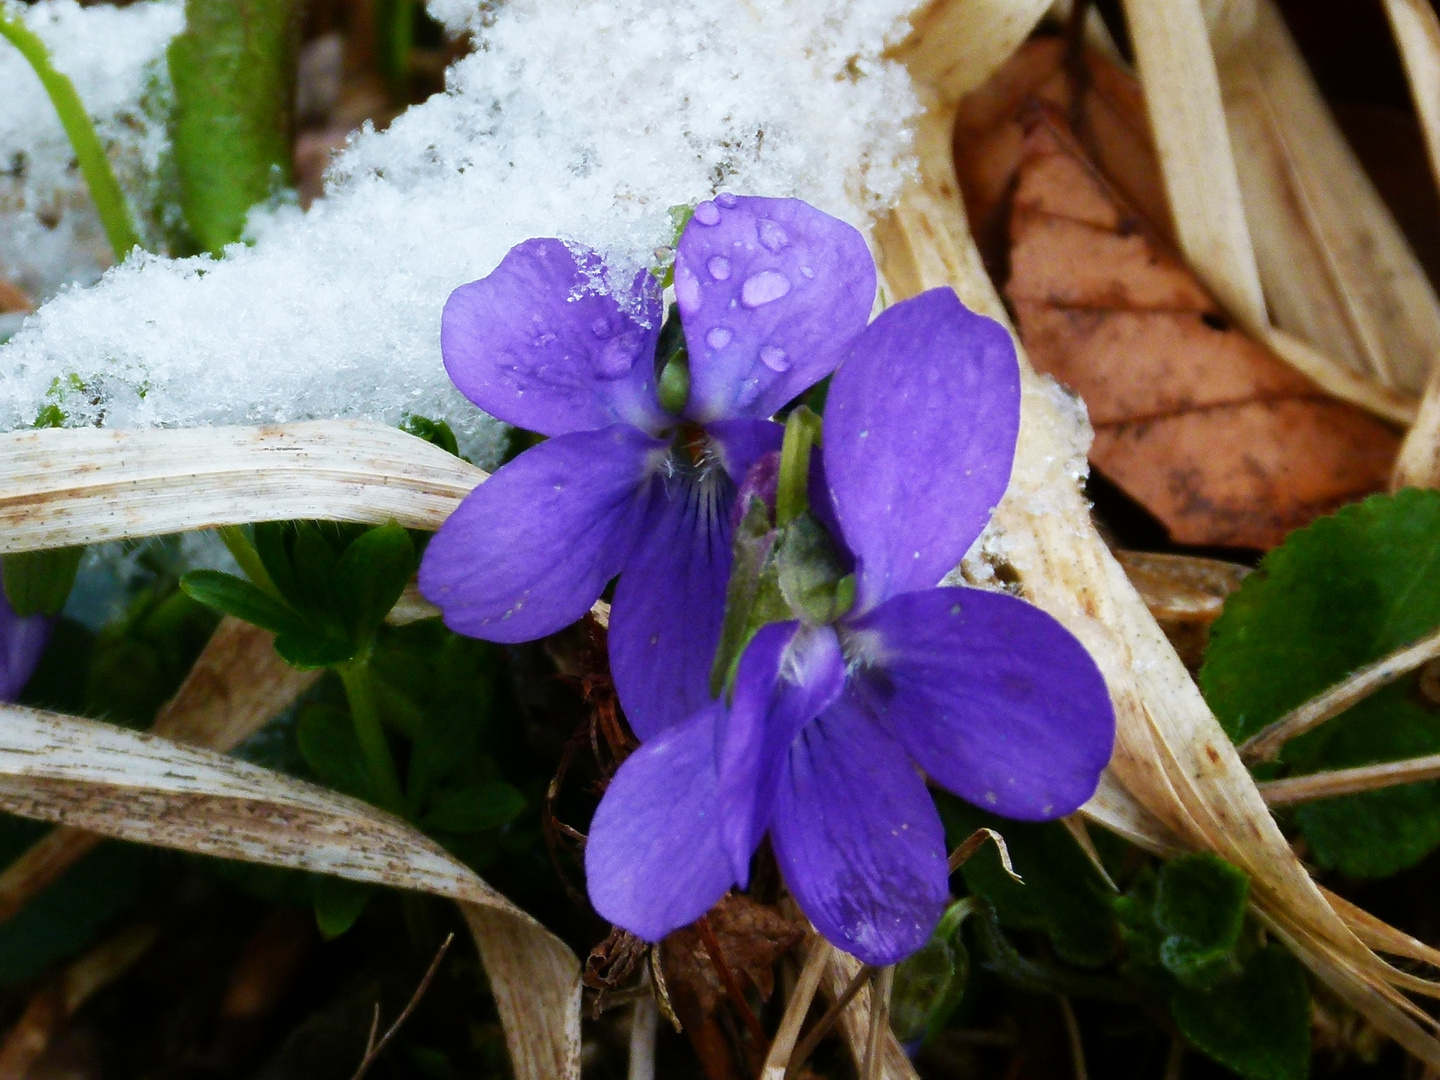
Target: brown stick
[1327,785]
[373,1048]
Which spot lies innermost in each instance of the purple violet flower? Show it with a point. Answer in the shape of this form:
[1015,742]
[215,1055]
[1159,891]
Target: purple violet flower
[771,292]
[22,640]
[822,741]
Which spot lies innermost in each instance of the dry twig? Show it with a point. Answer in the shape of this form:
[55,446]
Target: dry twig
[373,1049]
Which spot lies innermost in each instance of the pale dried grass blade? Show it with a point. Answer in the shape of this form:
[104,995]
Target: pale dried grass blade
[62,487]
[236,685]
[1174,782]
[1399,407]
[1417,33]
[890,1061]
[1265,745]
[964,42]
[782,1046]
[1336,268]
[1187,121]
[1380,935]
[149,790]
[1293,790]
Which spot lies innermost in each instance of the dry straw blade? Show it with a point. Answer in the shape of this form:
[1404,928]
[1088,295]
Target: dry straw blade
[150,790]
[61,487]
[1175,781]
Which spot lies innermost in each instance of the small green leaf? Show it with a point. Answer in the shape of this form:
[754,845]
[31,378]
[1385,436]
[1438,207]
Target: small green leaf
[338,903]
[327,741]
[315,562]
[236,596]
[1258,1024]
[308,650]
[436,432]
[1337,595]
[39,582]
[472,809]
[1063,896]
[272,545]
[930,983]
[370,577]
[1201,898]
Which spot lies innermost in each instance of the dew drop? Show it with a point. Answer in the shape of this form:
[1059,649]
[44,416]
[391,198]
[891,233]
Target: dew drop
[616,359]
[541,339]
[719,267]
[718,337]
[687,289]
[772,236]
[807,272]
[773,357]
[764,287]
[707,213]
[726,199]
[749,391]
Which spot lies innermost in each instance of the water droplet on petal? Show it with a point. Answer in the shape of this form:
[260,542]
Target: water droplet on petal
[772,236]
[543,338]
[707,213]
[807,272]
[764,287]
[749,391]
[601,327]
[719,267]
[726,200]
[687,289]
[773,357]
[616,359]
[718,337]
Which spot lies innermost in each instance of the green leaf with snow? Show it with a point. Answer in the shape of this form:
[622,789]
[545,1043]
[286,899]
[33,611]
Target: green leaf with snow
[1339,594]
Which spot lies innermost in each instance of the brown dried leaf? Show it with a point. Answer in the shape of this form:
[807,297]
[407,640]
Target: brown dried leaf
[1184,593]
[752,937]
[1194,420]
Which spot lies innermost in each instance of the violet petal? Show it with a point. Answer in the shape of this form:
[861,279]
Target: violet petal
[788,675]
[991,696]
[741,442]
[539,346]
[22,641]
[670,602]
[920,429]
[653,862]
[771,293]
[530,549]
[858,839]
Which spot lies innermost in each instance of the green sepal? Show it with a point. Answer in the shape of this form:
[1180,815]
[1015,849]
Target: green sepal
[930,983]
[809,572]
[39,582]
[751,594]
[310,650]
[436,432]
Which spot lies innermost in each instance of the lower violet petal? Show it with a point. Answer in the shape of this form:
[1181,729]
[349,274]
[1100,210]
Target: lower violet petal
[788,675]
[670,602]
[530,549]
[991,696]
[858,839]
[653,862]
[22,640]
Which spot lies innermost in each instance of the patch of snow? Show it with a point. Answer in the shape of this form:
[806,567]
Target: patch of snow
[585,120]
[50,235]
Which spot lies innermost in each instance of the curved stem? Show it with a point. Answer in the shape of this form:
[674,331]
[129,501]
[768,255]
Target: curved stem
[365,714]
[105,190]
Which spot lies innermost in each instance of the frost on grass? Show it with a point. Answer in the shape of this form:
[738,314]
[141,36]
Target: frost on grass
[49,233]
[585,120]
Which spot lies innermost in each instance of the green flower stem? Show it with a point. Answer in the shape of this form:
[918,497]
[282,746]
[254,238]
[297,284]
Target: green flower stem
[245,554]
[365,714]
[792,498]
[104,188]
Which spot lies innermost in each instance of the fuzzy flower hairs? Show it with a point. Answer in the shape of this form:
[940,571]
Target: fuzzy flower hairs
[778,640]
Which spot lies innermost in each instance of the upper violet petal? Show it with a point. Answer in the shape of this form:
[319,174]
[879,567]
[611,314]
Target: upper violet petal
[22,641]
[858,839]
[920,430]
[771,293]
[740,442]
[531,548]
[540,345]
[788,675]
[653,861]
[670,602]
[991,696]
